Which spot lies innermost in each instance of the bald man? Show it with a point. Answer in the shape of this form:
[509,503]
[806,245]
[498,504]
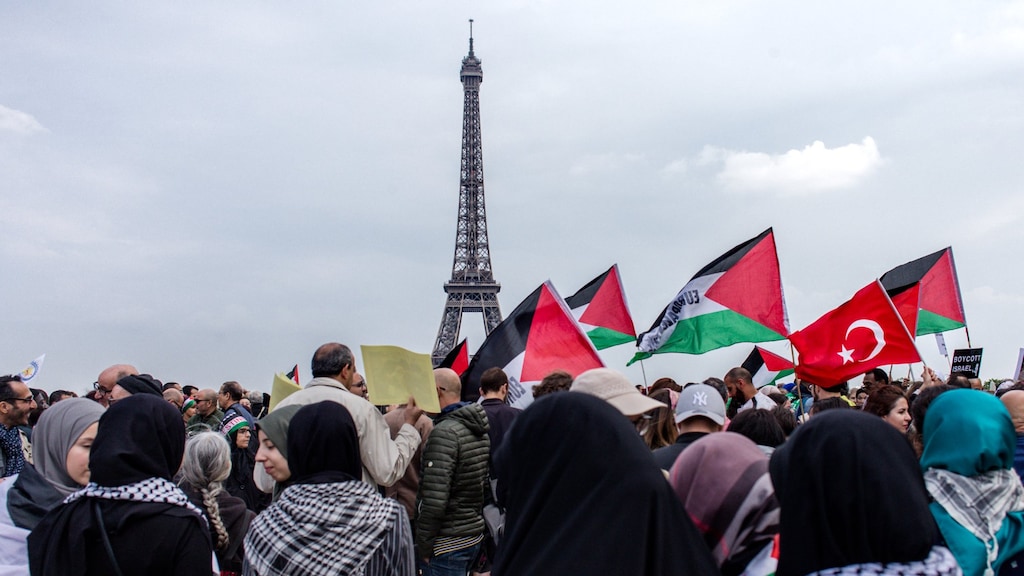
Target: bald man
[1014,402]
[106,383]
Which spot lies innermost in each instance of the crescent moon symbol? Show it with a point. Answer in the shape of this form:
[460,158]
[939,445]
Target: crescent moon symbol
[875,329]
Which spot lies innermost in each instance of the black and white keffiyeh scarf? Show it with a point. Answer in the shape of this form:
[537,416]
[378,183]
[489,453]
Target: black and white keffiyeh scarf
[153,490]
[940,562]
[978,503]
[320,529]
[10,443]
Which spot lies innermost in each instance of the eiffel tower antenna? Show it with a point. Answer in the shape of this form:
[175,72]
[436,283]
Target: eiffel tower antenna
[472,287]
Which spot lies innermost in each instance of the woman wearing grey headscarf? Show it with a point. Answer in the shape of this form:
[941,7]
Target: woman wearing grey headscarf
[60,445]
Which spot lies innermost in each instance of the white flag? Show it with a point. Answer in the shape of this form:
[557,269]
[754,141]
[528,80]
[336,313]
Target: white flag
[32,369]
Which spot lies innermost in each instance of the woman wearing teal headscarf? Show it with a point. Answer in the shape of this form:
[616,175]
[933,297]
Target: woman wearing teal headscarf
[978,500]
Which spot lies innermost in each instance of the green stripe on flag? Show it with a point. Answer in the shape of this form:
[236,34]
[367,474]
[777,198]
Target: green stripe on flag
[782,374]
[932,323]
[606,338]
[711,331]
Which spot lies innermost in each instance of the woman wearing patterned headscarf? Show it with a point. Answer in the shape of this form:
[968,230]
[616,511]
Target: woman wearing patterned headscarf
[723,482]
[130,518]
[239,482]
[883,528]
[61,442]
[978,500]
[328,521]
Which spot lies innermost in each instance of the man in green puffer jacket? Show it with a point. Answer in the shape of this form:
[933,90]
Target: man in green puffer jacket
[449,519]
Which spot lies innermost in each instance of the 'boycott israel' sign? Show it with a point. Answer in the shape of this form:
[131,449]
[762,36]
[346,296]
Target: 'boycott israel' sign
[967,362]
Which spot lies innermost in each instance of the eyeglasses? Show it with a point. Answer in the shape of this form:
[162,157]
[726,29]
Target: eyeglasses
[361,384]
[200,401]
[13,400]
[100,389]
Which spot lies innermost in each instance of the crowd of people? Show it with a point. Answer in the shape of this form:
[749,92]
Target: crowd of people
[597,476]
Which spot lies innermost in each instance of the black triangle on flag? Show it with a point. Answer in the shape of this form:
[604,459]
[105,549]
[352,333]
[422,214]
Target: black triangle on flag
[503,345]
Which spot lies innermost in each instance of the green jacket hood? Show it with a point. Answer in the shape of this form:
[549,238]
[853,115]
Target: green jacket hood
[472,416]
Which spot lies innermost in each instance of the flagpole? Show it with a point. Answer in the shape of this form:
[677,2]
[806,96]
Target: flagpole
[968,333]
[644,372]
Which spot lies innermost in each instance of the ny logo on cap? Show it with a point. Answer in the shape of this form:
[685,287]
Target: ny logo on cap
[700,398]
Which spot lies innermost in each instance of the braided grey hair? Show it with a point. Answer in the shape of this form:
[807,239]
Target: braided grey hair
[207,463]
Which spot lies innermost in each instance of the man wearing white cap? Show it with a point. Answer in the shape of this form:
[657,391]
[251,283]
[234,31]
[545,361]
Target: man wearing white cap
[614,388]
[700,411]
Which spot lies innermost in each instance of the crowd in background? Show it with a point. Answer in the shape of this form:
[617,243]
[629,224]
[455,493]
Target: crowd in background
[597,476]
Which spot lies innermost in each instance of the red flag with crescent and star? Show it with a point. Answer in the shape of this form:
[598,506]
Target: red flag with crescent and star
[863,333]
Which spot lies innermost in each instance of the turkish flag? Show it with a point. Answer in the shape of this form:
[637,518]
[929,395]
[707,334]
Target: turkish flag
[863,333]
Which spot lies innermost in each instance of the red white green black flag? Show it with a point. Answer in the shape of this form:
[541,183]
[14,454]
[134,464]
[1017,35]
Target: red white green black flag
[537,338]
[601,310]
[766,367]
[736,298]
[926,292]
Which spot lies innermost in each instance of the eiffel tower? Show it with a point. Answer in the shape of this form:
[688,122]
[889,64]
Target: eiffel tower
[472,287]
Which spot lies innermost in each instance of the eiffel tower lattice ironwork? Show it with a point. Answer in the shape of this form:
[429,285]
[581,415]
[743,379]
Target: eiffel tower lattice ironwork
[472,287]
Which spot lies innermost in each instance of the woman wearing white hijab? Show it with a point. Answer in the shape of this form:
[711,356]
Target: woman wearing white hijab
[60,443]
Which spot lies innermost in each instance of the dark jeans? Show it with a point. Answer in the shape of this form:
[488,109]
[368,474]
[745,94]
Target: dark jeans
[455,563]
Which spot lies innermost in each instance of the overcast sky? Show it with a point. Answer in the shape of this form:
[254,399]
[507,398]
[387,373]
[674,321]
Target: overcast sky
[210,190]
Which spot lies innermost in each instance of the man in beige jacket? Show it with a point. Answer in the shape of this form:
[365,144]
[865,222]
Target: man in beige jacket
[384,459]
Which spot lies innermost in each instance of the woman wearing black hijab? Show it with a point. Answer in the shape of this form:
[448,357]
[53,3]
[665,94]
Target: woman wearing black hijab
[853,501]
[328,521]
[583,496]
[130,518]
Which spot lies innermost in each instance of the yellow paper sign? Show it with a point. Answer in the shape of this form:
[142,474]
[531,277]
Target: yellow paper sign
[393,374]
[282,388]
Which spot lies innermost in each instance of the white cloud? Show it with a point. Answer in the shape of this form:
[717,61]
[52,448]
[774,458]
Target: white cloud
[12,120]
[814,169]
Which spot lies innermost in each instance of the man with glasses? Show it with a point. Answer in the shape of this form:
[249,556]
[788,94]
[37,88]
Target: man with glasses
[107,380]
[359,387]
[207,412]
[16,402]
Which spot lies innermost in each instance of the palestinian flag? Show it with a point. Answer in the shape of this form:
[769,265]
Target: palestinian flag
[293,374]
[457,359]
[600,308]
[766,367]
[537,338]
[927,293]
[736,298]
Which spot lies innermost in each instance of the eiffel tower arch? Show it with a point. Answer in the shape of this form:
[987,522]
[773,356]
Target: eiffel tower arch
[472,287]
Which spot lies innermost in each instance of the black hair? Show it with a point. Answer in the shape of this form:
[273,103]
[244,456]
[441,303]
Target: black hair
[492,380]
[760,426]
